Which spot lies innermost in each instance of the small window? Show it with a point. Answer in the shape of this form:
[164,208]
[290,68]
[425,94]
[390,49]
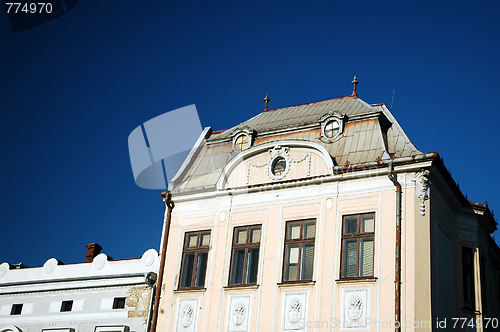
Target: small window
[279,166]
[66,305]
[194,259]
[332,128]
[16,309]
[241,143]
[357,245]
[468,277]
[245,255]
[119,303]
[299,250]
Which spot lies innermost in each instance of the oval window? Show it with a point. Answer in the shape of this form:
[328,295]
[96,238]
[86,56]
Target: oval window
[332,129]
[279,166]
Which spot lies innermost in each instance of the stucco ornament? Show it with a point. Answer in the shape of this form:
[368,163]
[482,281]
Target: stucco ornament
[294,311]
[187,316]
[280,152]
[422,188]
[239,314]
[355,309]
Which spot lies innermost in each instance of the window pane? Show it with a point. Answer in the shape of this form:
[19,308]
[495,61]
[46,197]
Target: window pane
[201,269]
[293,230]
[205,239]
[252,265]
[292,266]
[351,225]
[307,261]
[241,236]
[366,257]
[368,223]
[238,261]
[309,229]
[255,234]
[350,258]
[187,270]
[191,240]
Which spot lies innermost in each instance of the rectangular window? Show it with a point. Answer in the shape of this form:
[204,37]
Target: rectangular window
[468,277]
[16,309]
[245,255]
[357,245]
[118,303]
[194,259]
[299,250]
[66,305]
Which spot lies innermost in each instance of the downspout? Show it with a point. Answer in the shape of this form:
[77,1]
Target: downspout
[397,273]
[167,198]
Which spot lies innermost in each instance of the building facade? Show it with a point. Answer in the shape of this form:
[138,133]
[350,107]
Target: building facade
[100,295]
[324,217]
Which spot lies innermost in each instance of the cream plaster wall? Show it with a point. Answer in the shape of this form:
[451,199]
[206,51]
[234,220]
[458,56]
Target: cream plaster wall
[272,208]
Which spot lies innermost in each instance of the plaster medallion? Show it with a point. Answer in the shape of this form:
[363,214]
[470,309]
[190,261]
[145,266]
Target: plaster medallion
[3,270]
[329,204]
[294,311]
[99,261]
[50,265]
[222,216]
[239,312]
[187,316]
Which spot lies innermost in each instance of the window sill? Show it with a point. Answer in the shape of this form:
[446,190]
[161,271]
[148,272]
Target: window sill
[358,279]
[296,283]
[242,286]
[190,290]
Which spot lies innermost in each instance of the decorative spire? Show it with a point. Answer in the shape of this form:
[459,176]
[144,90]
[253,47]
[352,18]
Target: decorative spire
[355,89]
[266,100]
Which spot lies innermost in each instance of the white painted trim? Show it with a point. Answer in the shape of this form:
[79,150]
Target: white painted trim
[244,155]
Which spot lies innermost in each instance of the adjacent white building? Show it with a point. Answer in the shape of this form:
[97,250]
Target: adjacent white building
[101,295]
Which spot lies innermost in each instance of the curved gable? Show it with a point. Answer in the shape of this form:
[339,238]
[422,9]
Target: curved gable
[299,159]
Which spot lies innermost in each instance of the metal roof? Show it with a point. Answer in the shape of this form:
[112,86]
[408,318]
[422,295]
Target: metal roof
[371,133]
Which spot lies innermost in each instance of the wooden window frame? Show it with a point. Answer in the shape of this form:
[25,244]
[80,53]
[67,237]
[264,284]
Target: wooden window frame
[248,245]
[358,236]
[300,241]
[197,251]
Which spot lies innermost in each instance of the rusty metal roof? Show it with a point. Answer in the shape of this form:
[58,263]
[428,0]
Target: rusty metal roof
[371,133]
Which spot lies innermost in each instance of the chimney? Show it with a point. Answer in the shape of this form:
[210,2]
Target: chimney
[93,249]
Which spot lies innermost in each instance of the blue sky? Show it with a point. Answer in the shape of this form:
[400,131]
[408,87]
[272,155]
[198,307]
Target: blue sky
[73,89]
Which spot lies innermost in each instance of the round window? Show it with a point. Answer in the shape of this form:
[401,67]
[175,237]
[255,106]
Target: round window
[241,143]
[332,129]
[279,166]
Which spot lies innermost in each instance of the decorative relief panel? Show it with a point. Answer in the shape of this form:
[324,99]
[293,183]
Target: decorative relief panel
[238,313]
[187,315]
[355,308]
[294,314]
[279,163]
[422,188]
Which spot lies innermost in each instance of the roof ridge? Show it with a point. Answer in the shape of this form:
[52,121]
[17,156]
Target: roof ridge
[314,102]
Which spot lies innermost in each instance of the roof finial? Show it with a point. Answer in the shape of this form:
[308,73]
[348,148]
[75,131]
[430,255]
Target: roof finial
[355,89]
[266,100]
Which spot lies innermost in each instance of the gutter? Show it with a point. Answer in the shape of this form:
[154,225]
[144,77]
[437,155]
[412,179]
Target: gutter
[397,272]
[167,198]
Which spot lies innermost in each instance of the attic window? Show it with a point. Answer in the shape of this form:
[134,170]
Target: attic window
[241,143]
[332,128]
[16,309]
[242,138]
[332,125]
